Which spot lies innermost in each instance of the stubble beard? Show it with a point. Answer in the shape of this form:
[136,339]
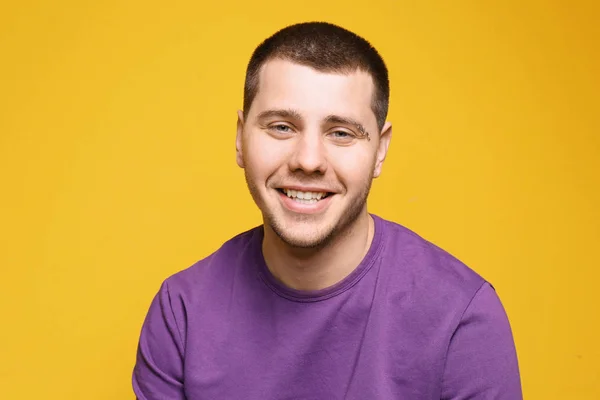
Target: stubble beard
[326,235]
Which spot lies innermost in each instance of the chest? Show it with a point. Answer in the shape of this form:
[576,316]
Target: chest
[347,349]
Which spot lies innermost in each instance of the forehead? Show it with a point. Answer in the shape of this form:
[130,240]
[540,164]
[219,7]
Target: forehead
[314,94]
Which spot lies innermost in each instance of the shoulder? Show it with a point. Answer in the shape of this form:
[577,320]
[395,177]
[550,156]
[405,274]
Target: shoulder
[188,294]
[434,276]
[213,270]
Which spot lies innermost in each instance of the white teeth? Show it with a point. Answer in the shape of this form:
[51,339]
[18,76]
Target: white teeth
[304,201]
[304,197]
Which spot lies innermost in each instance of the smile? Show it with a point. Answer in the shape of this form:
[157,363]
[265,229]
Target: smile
[304,197]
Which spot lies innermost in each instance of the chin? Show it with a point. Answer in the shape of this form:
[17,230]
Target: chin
[302,235]
[304,241]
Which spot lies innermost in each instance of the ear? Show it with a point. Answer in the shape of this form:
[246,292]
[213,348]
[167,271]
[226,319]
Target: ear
[384,143]
[239,156]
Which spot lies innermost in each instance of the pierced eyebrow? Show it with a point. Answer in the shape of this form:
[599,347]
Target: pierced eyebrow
[336,119]
[330,119]
[281,113]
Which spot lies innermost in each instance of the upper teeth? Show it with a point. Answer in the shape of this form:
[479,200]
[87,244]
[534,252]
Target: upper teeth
[304,195]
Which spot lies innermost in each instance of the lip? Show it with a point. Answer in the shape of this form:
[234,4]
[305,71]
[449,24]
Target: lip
[294,206]
[307,189]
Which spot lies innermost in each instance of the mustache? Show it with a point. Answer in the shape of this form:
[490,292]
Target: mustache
[303,180]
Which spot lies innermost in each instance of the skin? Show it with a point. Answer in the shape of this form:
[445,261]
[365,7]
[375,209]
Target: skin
[310,130]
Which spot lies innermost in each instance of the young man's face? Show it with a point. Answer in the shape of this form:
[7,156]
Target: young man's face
[304,148]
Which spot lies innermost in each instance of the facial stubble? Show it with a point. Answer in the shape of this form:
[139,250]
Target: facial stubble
[340,227]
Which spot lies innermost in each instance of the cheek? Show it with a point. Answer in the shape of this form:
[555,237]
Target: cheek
[353,166]
[263,155]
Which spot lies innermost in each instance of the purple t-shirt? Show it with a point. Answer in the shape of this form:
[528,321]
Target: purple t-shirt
[410,322]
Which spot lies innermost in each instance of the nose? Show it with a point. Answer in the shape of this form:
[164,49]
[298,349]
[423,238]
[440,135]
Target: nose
[309,154]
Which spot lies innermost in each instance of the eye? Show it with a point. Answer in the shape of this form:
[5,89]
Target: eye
[340,134]
[342,137]
[280,128]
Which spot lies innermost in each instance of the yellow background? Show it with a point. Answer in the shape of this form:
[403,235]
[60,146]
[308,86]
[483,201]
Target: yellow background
[117,124]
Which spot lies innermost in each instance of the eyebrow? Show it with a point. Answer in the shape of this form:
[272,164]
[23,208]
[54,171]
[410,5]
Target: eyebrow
[283,113]
[330,119]
[336,119]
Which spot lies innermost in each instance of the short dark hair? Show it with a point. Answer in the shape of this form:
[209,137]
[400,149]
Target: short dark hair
[324,47]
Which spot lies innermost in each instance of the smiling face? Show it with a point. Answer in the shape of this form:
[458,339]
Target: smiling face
[310,148]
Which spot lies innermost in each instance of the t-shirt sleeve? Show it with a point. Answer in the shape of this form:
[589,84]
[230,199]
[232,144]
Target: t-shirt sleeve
[158,371]
[481,363]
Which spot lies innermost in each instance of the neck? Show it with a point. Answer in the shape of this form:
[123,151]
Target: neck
[315,269]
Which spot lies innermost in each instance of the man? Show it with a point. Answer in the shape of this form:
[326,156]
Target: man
[324,300]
